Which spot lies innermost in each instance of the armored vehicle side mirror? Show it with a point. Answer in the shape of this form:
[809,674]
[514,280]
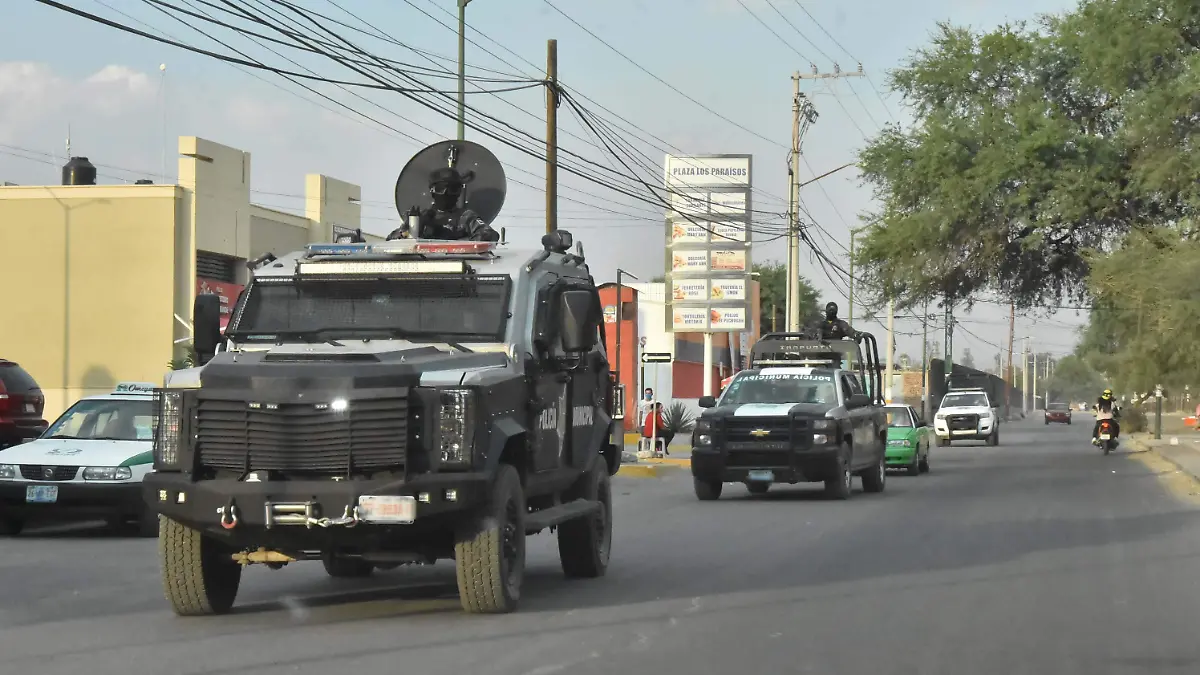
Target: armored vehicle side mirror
[707,402]
[206,325]
[858,401]
[577,315]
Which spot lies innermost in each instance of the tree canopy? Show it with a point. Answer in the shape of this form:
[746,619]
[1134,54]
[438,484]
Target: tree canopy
[1035,147]
[772,281]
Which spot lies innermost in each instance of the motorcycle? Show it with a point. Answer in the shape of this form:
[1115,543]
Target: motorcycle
[1107,436]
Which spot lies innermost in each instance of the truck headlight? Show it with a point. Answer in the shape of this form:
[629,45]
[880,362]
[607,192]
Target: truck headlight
[940,416]
[456,424]
[703,433]
[107,473]
[823,425]
[8,472]
[168,430]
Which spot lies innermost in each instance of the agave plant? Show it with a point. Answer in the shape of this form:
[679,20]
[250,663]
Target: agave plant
[679,419]
[188,360]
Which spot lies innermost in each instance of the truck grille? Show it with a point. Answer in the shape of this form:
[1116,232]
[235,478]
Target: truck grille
[962,422]
[369,434]
[39,472]
[750,429]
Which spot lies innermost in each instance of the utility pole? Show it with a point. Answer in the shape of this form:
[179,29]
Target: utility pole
[853,233]
[462,68]
[925,412]
[889,370]
[1008,380]
[949,358]
[551,136]
[1035,379]
[803,115]
[1025,375]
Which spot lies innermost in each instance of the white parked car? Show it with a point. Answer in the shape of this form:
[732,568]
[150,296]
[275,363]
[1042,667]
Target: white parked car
[89,463]
[966,414]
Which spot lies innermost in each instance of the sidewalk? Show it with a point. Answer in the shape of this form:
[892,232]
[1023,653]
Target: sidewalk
[650,467]
[1182,450]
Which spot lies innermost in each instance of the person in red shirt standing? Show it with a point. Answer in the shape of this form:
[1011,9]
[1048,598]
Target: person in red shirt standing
[648,430]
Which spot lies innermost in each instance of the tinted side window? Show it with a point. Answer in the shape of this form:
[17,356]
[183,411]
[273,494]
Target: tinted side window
[15,378]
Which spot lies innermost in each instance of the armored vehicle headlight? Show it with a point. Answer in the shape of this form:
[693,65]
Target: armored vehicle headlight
[457,425]
[167,429]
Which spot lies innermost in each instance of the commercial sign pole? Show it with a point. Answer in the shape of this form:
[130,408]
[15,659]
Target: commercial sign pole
[708,248]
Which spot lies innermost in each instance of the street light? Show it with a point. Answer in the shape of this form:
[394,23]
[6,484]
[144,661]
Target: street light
[462,67]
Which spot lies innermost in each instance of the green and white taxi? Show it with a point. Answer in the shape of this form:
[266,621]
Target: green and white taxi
[88,464]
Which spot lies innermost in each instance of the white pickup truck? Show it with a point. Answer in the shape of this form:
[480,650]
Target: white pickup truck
[966,414]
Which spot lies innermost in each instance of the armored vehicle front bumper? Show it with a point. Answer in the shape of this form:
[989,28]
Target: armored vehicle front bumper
[289,508]
[773,449]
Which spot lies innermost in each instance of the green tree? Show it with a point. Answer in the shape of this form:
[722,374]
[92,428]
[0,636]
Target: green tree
[967,359]
[772,284]
[1032,148]
[1073,380]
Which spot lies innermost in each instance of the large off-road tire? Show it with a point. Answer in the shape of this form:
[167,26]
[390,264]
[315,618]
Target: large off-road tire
[489,554]
[840,486]
[757,487]
[199,576]
[346,568]
[11,526]
[584,544]
[707,490]
[874,479]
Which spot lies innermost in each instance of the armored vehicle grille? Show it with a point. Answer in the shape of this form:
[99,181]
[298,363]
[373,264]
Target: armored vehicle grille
[368,434]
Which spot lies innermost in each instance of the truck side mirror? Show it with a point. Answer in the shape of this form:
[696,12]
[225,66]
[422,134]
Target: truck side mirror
[577,314]
[206,326]
[707,402]
[858,401]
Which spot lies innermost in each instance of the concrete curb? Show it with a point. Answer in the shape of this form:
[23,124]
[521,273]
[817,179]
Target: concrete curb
[648,469]
[1143,445]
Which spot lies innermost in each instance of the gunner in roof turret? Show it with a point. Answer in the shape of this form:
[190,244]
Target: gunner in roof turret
[447,219]
[833,328]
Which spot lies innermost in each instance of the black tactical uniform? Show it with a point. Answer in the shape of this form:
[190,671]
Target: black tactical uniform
[446,219]
[833,328]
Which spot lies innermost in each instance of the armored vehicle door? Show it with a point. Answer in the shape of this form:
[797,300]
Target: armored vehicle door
[570,389]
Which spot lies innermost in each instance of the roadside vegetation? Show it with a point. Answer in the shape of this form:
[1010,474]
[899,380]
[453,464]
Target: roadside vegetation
[1054,164]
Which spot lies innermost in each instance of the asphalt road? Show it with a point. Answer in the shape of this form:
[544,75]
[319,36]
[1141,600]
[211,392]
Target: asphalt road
[1039,556]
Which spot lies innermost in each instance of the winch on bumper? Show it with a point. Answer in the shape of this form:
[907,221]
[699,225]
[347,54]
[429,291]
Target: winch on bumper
[232,507]
[772,449]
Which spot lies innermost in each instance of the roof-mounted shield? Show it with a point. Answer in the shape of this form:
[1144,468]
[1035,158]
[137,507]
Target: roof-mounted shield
[485,184]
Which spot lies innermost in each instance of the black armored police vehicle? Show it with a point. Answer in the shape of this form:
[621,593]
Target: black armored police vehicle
[378,404]
[809,409]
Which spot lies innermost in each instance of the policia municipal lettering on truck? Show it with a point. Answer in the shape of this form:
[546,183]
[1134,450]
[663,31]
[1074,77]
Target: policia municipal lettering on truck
[374,405]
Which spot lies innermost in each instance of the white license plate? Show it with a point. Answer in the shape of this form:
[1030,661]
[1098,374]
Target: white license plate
[1105,437]
[41,494]
[30,408]
[764,476]
[387,509]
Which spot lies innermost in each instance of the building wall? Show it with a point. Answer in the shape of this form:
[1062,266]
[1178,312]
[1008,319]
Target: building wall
[100,279]
[629,359]
[91,272]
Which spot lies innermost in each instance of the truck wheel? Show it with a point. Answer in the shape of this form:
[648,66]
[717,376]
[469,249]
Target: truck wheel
[943,442]
[584,543]
[839,486]
[875,478]
[489,558]
[199,576]
[340,567]
[994,439]
[758,487]
[707,490]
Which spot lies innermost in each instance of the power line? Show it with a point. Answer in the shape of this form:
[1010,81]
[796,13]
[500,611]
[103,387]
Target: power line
[661,80]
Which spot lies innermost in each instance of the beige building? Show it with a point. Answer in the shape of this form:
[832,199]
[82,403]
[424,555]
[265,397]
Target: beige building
[100,278]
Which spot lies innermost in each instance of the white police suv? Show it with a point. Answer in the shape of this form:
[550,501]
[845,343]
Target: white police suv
[89,463]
